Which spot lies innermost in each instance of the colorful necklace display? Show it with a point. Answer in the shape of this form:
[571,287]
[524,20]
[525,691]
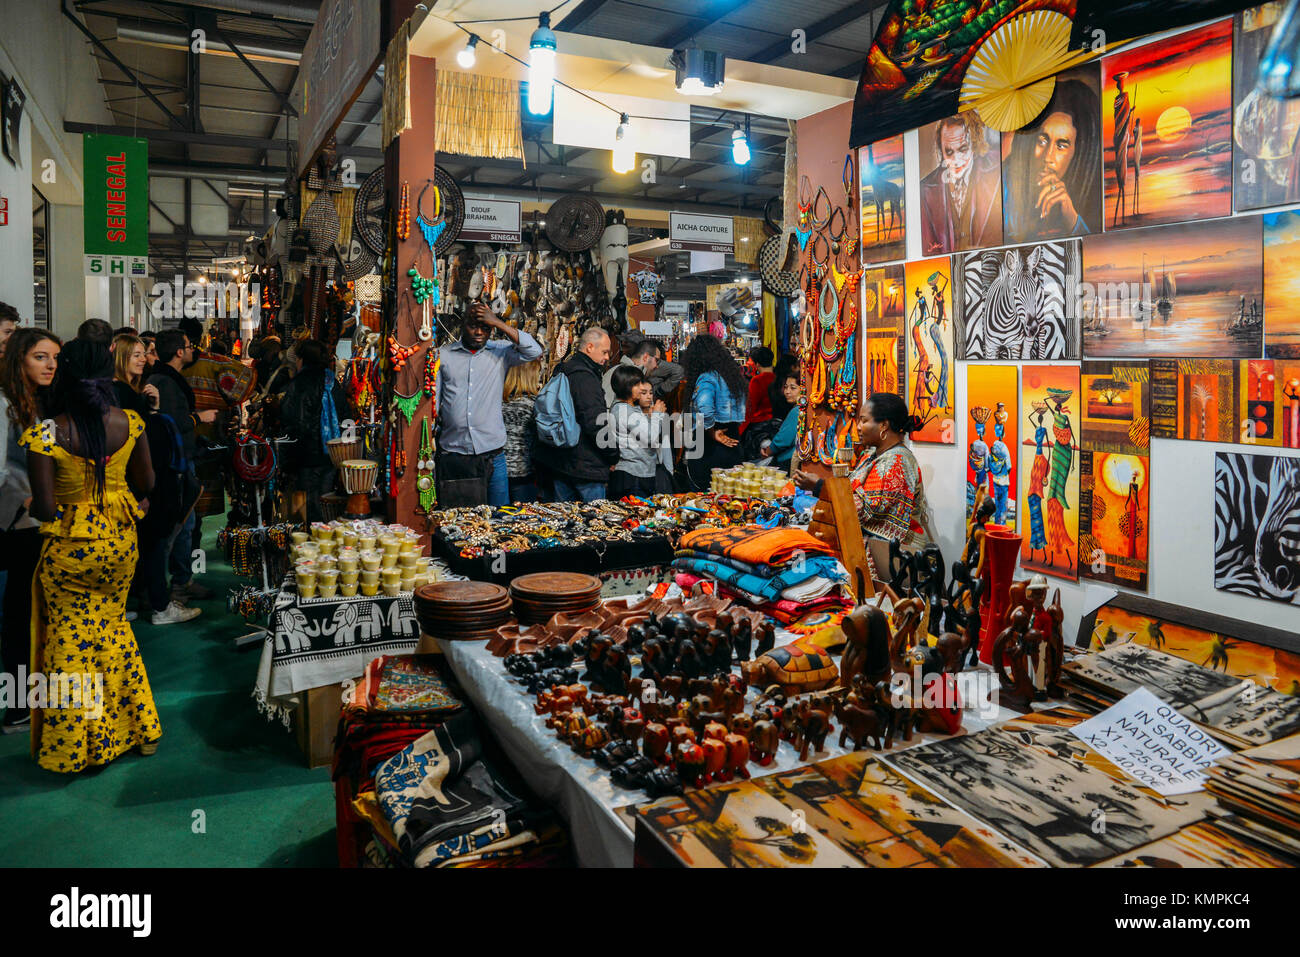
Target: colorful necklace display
[424,465]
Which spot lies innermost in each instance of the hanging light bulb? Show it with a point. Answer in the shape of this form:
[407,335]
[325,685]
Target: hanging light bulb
[466,57]
[624,152]
[739,146]
[541,66]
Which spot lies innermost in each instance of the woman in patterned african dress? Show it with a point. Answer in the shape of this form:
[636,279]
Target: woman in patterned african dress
[80,465]
[1037,479]
[1058,536]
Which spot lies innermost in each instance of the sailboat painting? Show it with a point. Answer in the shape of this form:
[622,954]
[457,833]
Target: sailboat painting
[1190,289]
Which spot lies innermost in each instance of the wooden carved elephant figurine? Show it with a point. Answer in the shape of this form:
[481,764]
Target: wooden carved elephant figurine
[859,724]
[737,756]
[764,739]
[814,725]
[715,758]
[654,742]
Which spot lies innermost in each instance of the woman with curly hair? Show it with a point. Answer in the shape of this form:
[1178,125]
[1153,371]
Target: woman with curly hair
[30,362]
[718,391]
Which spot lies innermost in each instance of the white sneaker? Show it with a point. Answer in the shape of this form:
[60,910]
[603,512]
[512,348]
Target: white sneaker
[175,613]
[131,616]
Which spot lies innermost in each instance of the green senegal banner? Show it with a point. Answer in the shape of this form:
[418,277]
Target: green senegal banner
[116,174]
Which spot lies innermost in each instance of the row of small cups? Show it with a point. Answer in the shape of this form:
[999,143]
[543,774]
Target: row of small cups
[325,581]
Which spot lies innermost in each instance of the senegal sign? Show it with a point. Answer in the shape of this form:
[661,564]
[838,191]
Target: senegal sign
[116,174]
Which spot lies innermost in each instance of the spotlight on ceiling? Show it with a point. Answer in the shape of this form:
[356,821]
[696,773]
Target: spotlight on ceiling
[699,72]
[541,66]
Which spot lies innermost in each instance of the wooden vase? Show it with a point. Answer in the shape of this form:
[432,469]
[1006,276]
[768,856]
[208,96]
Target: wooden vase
[1001,554]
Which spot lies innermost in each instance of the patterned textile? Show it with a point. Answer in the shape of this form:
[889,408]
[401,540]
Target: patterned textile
[891,499]
[442,799]
[766,589]
[754,545]
[784,611]
[1062,458]
[764,571]
[518,415]
[79,629]
[410,684]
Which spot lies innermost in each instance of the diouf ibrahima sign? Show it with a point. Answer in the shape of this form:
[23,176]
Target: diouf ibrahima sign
[116,174]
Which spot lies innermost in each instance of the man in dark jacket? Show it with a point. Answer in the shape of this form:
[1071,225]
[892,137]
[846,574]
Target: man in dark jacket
[176,399]
[306,459]
[582,472]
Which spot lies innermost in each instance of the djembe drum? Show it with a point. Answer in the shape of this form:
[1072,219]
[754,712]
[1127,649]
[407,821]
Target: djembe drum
[359,477]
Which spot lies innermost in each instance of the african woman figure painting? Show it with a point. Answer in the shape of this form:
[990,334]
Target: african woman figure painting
[938,284]
[1037,478]
[1058,536]
[922,392]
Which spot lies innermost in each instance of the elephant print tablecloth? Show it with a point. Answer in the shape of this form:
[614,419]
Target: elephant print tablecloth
[323,641]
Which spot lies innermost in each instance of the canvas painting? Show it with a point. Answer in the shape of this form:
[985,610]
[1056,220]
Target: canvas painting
[1115,406]
[1265,160]
[1276,668]
[1050,185]
[993,406]
[1001,776]
[1201,845]
[1213,699]
[1049,471]
[1257,526]
[1166,124]
[1017,302]
[1244,402]
[931,379]
[1195,289]
[1114,517]
[1282,284]
[885,820]
[882,191]
[961,185]
[884,347]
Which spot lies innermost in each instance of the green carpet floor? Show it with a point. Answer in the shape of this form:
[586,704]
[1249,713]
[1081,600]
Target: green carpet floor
[261,806]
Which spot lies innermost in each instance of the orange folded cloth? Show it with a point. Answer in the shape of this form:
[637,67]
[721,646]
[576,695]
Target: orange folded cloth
[754,545]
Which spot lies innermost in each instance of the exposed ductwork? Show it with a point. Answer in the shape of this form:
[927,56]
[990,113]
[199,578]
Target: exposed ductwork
[171,37]
[298,11]
[230,175]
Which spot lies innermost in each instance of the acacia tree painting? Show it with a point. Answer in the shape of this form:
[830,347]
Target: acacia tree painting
[1110,389]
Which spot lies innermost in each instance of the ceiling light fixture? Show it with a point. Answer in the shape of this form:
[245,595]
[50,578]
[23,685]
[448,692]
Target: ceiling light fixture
[541,66]
[740,145]
[699,72]
[624,151]
[466,57]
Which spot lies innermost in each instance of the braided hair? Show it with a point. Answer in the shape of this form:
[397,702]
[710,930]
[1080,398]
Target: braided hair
[85,394]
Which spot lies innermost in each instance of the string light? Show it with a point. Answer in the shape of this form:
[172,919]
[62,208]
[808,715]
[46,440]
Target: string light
[624,152]
[541,66]
[466,57]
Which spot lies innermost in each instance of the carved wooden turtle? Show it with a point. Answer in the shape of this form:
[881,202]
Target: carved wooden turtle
[796,668]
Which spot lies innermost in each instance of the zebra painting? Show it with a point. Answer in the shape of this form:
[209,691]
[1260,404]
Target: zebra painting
[1257,526]
[1017,302]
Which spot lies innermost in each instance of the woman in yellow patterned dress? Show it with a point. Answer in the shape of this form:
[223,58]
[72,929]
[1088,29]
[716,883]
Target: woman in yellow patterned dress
[79,463]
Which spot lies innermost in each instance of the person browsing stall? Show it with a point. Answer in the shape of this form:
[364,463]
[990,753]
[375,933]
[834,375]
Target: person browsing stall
[471,380]
[581,472]
[638,421]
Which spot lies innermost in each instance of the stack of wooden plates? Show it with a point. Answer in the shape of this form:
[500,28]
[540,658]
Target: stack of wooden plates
[537,598]
[461,610]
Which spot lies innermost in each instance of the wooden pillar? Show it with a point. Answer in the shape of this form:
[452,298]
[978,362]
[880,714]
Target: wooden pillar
[410,159]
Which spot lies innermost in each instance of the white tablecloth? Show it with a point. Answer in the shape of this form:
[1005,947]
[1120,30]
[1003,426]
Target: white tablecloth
[582,790]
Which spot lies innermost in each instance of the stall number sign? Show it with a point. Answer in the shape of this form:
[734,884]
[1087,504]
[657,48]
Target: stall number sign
[491,221]
[117,205]
[659,328]
[677,307]
[706,234]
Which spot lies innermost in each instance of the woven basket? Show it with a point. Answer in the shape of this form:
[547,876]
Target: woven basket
[321,222]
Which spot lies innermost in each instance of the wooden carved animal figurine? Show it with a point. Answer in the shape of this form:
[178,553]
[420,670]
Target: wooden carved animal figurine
[867,645]
[796,668]
[689,760]
[952,648]
[671,685]
[742,638]
[766,638]
[737,756]
[553,701]
[898,712]
[733,702]
[1018,655]
[764,739]
[681,734]
[740,723]
[861,725]
[715,758]
[573,725]
[615,753]
[906,621]
[588,739]
[814,725]
[654,742]
[715,730]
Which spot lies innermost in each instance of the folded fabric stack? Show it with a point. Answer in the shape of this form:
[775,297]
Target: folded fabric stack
[1259,790]
[412,787]
[783,572]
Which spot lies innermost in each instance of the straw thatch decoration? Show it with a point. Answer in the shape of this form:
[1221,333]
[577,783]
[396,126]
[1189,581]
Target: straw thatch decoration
[747,252]
[478,116]
[397,86]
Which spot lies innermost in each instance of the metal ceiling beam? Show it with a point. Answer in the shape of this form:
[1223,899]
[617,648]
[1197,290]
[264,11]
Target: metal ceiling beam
[547,169]
[175,37]
[208,139]
[851,13]
[112,58]
[285,105]
[711,11]
[294,11]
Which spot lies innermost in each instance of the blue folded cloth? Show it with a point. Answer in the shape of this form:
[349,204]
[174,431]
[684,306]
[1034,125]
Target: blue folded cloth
[769,588]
